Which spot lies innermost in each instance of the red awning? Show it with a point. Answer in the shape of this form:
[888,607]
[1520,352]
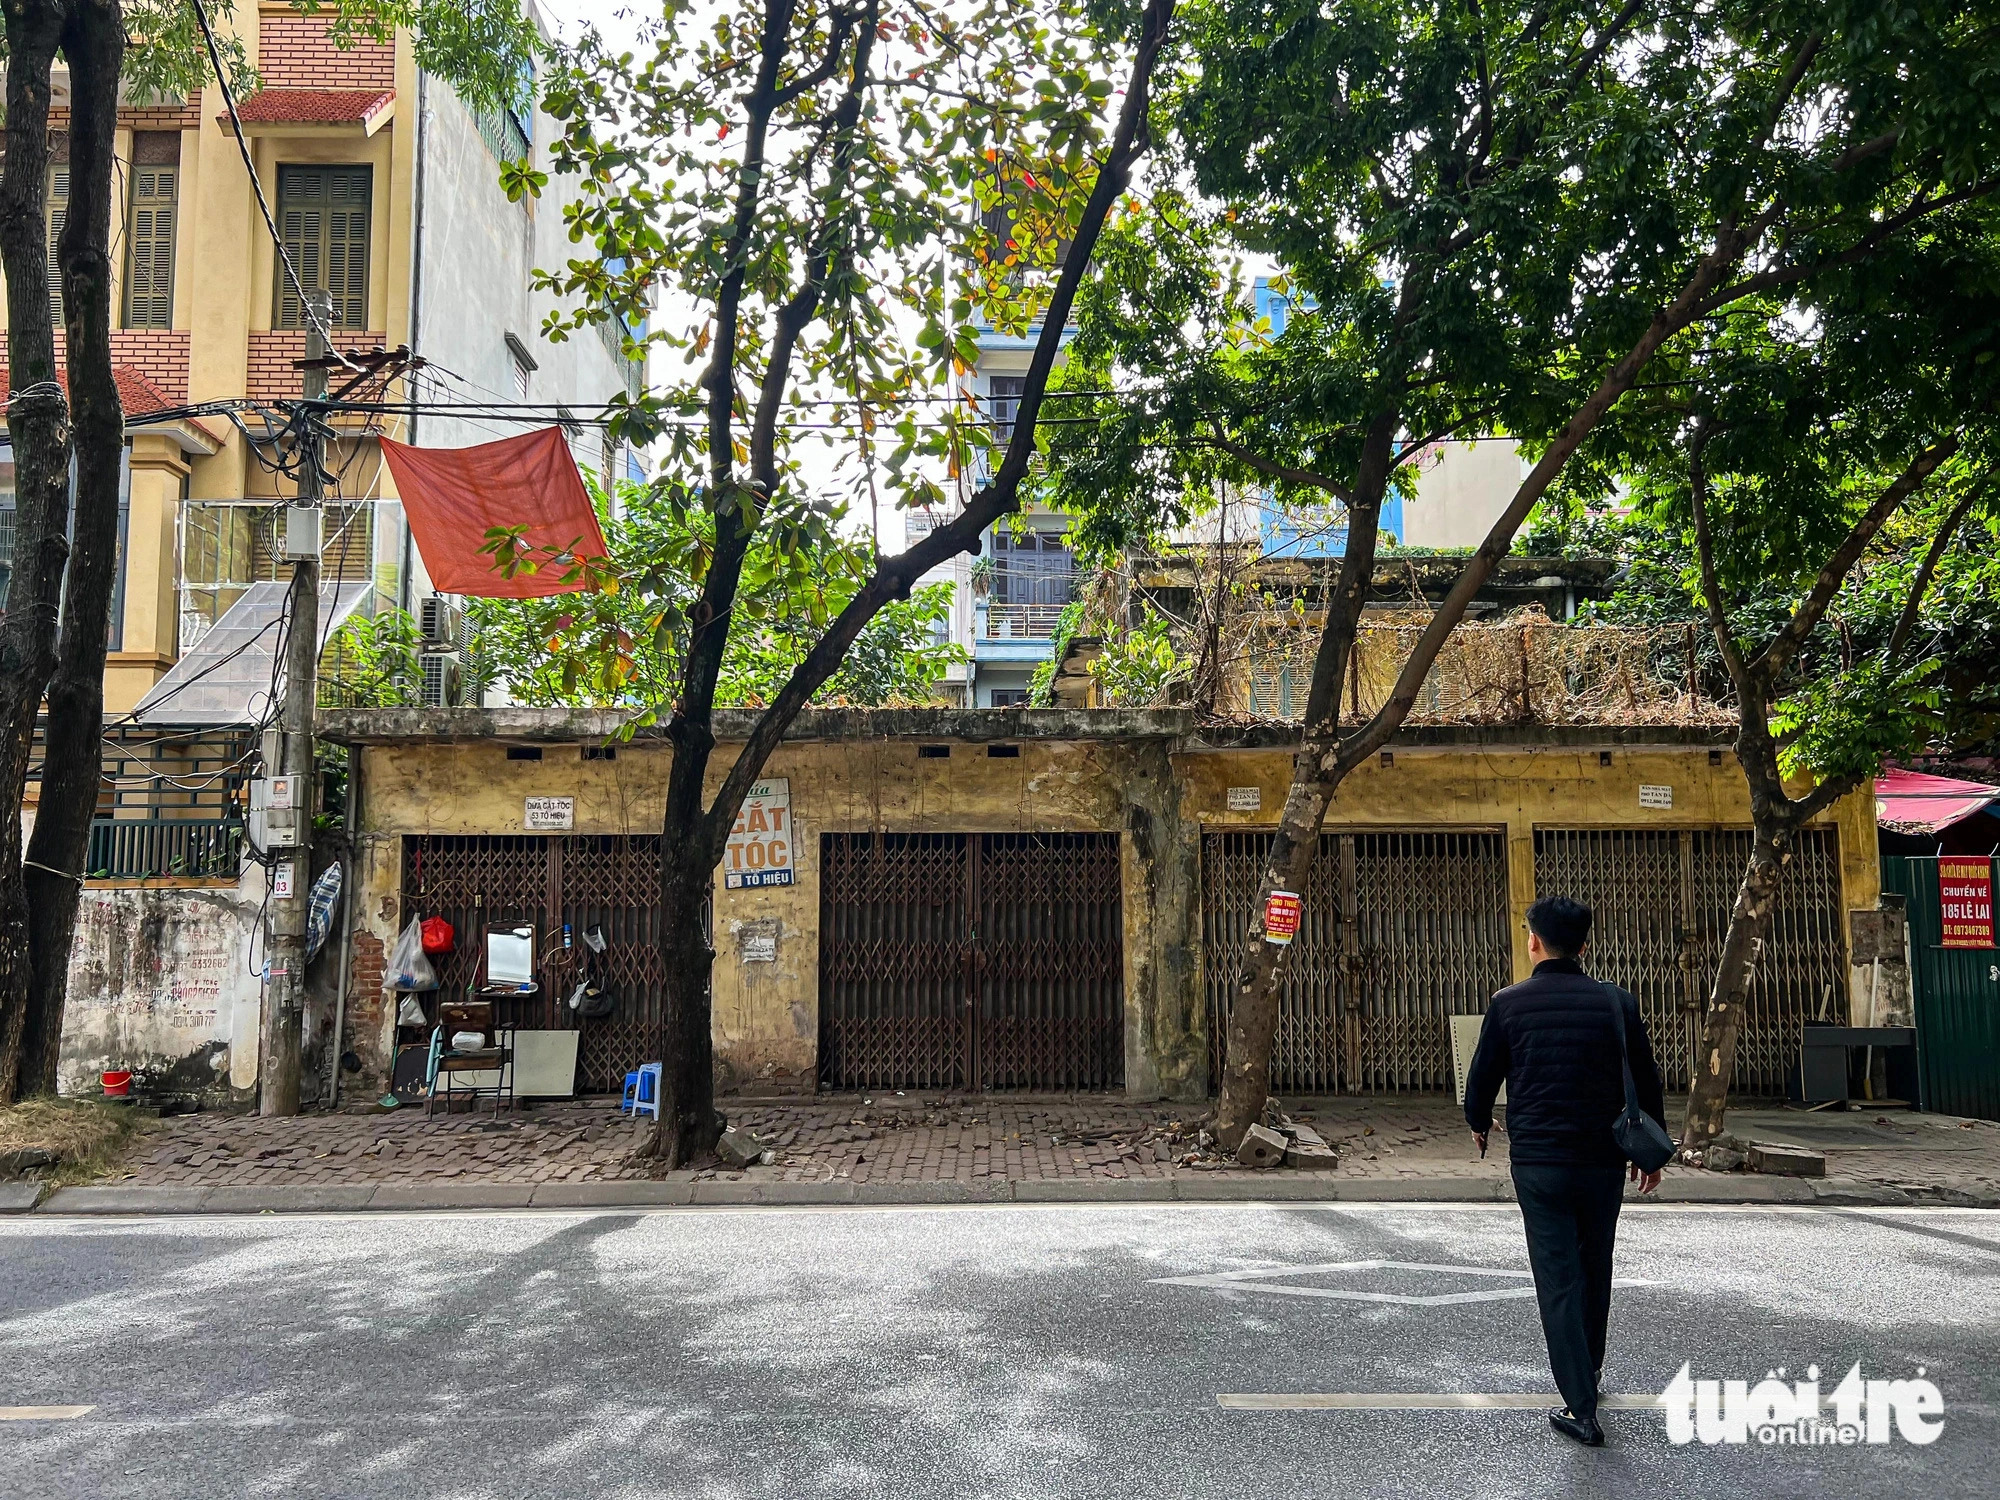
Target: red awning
[454,496]
[1911,802]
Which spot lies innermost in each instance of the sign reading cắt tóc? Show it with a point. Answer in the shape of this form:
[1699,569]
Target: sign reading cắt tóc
[1965,902]
[759,852]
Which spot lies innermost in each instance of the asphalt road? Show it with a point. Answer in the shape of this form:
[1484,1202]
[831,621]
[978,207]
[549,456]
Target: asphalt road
[1004,1351]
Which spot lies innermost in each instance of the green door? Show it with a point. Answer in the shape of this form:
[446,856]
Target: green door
[1957,996]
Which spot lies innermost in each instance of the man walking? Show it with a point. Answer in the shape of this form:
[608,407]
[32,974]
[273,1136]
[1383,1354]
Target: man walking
[1553,1040]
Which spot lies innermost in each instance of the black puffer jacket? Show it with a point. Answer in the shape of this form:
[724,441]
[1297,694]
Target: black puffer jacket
[1553,1041]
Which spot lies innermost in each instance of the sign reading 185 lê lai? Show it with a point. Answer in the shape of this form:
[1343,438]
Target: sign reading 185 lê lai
[1965,902]
[759,852]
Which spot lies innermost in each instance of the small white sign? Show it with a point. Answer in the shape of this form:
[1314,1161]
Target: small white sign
[285,886]
[760,948]
[1658,797]
[1245,798]
[540,813]
[759,852]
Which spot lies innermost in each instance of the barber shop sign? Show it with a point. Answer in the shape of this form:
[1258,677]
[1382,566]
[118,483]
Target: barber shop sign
[759,852]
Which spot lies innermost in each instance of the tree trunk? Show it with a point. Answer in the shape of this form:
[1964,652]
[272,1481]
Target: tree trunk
[688,1125]
[1253,1012]
[94,44]
[38,426]
[1742,947]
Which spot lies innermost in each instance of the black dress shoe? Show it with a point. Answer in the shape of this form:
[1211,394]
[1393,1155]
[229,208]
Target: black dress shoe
[1583,1429]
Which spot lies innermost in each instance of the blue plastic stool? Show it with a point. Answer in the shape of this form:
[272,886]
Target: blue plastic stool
[642,1092]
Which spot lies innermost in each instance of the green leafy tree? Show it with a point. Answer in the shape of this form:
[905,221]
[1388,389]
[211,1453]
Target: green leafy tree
[53,641]
[1491,220]
[1815,473]
[840,190]
[626,647]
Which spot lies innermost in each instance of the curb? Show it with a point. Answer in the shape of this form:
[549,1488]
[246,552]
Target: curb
[19,1197]
[1275,1187]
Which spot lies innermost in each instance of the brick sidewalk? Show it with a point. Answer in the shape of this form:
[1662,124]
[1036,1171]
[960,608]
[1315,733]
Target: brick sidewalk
[897,1138]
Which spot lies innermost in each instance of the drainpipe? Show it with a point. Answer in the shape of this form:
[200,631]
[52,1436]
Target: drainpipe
[344,955]
[416,318]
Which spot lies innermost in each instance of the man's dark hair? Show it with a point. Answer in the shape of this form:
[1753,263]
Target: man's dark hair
[1562,923]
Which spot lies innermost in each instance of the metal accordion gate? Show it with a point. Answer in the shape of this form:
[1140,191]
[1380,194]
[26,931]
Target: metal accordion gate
[1401,931]
[971,961]
[583,880]
[1662,899]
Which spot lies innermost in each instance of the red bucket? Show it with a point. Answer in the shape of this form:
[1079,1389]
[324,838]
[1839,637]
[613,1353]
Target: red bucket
[117,1083]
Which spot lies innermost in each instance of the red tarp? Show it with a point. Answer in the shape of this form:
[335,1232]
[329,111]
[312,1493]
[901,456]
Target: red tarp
[454,496]
[1911,802]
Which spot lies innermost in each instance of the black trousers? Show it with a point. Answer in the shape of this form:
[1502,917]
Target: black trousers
[1571,1215]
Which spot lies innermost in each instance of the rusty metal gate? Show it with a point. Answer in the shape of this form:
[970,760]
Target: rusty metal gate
[951,961]
[1662,899]
[608,881]
[1401,931]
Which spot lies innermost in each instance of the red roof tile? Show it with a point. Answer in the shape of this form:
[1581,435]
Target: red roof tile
[314,107]
[138,396]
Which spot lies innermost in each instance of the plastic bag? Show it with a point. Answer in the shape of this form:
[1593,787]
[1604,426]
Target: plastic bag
[408,968]
[410,1012]
[319,912]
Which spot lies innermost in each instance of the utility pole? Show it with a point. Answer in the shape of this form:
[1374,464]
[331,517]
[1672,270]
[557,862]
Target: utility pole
[283,1017]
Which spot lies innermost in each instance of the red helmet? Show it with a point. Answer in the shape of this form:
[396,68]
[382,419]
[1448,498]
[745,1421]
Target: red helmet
[437,935]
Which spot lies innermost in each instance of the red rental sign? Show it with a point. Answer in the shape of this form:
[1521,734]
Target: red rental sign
[1965,901]
[1282,910]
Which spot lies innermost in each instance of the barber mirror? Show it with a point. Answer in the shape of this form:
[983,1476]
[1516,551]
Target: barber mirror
[510,955]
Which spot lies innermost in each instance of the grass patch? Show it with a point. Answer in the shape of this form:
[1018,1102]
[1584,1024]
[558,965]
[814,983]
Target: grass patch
[89,1138]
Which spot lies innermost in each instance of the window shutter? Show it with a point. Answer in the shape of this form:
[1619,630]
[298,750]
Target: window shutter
[323,220]
[149,268]
[58,216]
[347,246]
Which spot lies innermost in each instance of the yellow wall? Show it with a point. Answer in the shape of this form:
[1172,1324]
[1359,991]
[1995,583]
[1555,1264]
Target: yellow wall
[766,1015]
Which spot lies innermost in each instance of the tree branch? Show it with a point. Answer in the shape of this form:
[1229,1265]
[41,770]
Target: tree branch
[1906,623]
[1704,543]
[894,576]
[1306,477]
[1770,663]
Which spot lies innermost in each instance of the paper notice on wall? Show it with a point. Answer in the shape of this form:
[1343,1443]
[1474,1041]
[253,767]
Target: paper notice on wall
[1282,910]
[544,814]
[1245,798]
[1965,902]
[759,852]
[760,948]
[1660,798]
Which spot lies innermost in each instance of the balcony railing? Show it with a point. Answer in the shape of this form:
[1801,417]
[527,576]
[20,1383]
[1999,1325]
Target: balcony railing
[156,848]
[1021,622]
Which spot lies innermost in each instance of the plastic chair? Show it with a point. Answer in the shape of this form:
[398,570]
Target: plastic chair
[642,1092]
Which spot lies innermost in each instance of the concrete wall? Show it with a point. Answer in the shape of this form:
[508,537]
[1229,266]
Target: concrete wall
[160,982]
[1154,793]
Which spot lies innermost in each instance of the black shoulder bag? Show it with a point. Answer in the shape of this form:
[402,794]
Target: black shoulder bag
[1645,1144]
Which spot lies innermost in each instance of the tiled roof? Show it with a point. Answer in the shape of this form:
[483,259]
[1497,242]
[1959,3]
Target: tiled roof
[314,107]
[138,396]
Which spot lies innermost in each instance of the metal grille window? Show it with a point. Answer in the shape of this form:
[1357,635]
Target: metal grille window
[1401,931]
[607,881]
[1005,392]
[952,960]
[58,205]
[323,215]
[149,236]
[1034,576]
[1662,899]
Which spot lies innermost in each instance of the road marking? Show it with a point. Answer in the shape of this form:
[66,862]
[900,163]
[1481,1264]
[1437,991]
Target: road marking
[1268,1281]
[1420,1401]
[44,1413]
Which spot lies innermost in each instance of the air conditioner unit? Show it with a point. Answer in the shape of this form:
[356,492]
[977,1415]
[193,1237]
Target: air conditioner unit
[443,677]
[444,627]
